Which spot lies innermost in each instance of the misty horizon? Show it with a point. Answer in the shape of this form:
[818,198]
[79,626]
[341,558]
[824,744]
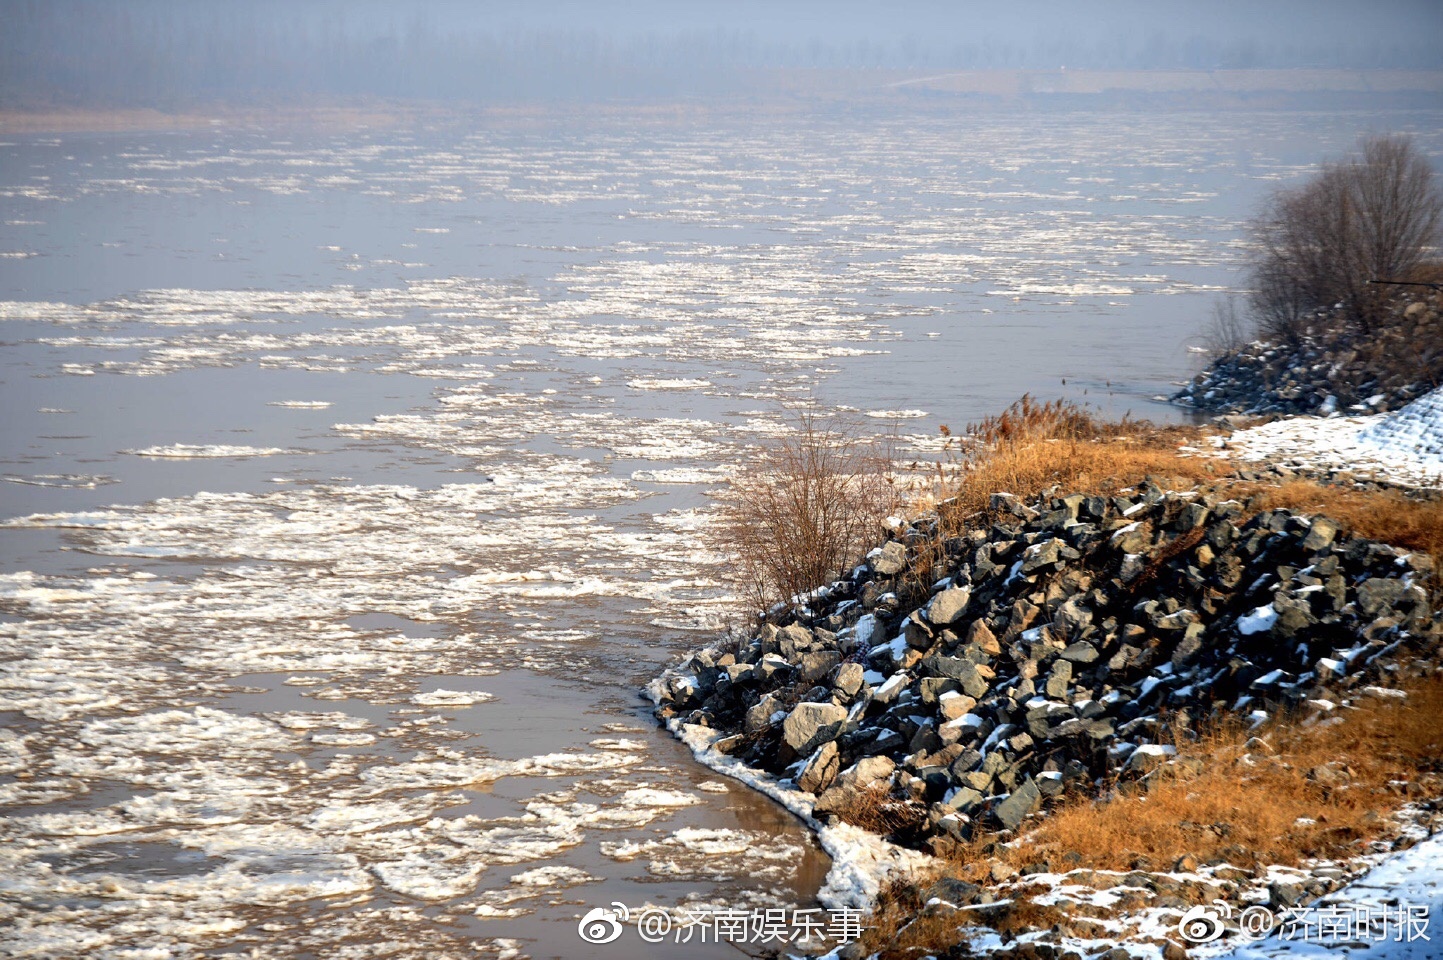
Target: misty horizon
[167,53]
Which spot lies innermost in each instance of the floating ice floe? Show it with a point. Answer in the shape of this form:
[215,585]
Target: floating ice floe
[451,698]
[200,451]
[664,383]
[897,414]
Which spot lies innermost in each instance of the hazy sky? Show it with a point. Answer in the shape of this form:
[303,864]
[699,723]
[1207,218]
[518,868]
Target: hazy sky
[161,52]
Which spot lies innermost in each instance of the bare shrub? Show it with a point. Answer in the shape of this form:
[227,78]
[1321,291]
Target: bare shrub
[1373,215]
[1229,329]
[805,509]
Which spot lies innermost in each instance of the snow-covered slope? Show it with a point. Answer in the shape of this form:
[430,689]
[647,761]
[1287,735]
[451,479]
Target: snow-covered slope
[1413,878]
[1405,446]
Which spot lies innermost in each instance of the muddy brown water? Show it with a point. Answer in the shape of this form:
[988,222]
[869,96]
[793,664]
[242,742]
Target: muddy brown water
[354,485]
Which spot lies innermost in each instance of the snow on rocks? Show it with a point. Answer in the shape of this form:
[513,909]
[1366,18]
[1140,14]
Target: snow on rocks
[1052,653]
[1048,652]
[1328,371]
[1416,429]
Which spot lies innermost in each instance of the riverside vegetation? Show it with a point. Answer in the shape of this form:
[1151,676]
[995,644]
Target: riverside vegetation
[1324,327]
[1108,675]
[1136,670]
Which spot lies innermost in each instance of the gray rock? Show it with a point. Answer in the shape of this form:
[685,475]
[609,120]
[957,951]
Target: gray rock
[1378,593]
[979,780]
[1284,895]
[1058,680]
[964,671]
[1294,615]
[1072,618]
[1041,719]
[891,558]
[739,673]
[955,705]
[794,640]
[1046,554]
[1080,652]
[1331,774]
[849,679]
[816,666]
[885,741]
[959,893]
[964,800]
[770,667]
[1145,761]
[916,632]
[821,768]
[811,724]
[981,636]
[932,688]
[1019,803]
[1132,540]
[759,717]
[833,799]
[1189,647]
[1320,534]
[948,606]
[1010,504]
[865,772]
[1190,517]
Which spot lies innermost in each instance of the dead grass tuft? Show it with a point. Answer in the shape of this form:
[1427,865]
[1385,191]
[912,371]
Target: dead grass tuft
[873,808]
[1033,446]
[904,926]
[1280,795]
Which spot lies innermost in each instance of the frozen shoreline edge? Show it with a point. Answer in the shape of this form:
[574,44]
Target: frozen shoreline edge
[861,861]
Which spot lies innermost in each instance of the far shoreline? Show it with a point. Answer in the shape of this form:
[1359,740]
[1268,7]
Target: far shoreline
[785,92]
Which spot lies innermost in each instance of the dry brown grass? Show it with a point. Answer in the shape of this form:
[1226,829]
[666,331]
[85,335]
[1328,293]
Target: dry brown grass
[1296,792]
[904,927]
[1032,446]
[1248,806]
[873,808]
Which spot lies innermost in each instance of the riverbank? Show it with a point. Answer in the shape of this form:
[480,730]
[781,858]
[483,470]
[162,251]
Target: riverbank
[781,91]
[983,678]
[1333,368]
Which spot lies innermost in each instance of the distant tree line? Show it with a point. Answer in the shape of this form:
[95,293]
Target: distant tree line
[163,52]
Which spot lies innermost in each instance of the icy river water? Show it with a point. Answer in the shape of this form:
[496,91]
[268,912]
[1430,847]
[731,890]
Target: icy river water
[352,483]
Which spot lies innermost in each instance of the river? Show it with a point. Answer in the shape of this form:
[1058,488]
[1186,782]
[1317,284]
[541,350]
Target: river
[354,482]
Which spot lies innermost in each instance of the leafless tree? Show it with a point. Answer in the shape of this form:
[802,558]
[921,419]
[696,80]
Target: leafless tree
[1373,215]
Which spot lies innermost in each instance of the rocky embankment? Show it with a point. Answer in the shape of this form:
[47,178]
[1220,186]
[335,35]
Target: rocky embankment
[1055,648]
[1327,371]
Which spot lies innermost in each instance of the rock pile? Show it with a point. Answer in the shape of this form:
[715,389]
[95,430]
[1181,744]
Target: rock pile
[1327,372]
[1054,648]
